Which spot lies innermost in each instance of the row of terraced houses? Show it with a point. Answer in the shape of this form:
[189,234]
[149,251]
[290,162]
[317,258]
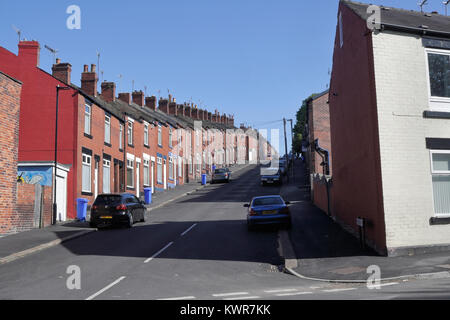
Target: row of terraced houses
[104,142]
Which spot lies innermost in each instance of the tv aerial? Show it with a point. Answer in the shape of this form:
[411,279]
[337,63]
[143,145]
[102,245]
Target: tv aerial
[18,31]
[422,4]
[446,3]
[53,51]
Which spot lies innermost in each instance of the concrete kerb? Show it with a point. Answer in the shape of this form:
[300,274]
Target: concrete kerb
[56,242]
[21,254]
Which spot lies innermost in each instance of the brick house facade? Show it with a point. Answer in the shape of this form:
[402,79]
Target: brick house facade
[10,89]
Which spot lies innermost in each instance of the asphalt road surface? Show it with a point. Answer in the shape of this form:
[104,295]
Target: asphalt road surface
[195,248]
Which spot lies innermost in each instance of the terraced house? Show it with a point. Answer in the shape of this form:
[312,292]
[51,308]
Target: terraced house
[81,142]
[390,127]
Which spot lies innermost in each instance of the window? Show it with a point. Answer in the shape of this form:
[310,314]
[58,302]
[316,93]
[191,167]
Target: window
[146,172]
[106,176]
[107,129]
[120,136]
[439,78]
[341,31]
[86,173]
[159,170]
[130,173]
[440,170]
[170,168]
[170,137]
[146,134]
[159,136]
[130,132]
[87,119]
[180,167]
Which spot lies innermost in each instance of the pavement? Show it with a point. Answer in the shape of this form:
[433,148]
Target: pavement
[317,248]
[19,245]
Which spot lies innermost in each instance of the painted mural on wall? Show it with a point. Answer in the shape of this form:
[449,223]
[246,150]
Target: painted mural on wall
[35,175]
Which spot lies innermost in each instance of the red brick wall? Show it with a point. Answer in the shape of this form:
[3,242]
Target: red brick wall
[26,203]
[9,143]
[356,187]
[320,197]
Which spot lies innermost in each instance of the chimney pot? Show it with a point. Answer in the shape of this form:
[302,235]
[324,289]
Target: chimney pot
[150,102]
[62,71]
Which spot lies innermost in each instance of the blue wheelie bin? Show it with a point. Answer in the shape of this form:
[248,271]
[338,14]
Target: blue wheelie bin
[148,195]
[81,209]
[203,179]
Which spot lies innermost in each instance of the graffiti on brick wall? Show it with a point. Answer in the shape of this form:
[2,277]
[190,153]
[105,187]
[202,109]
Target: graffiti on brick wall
[35,175]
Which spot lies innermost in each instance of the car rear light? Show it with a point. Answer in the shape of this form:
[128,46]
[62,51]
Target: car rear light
[121,207]
[252,212]
[94,207]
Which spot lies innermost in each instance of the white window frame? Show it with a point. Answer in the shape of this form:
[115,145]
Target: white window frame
[159,170]
[107,128]
[107,167]
[87,118]
[170,137]
[121,136]
[85,162]
[130,132]
[171,167]
[130,165]
[146,181]
[146,131]
[159,135]
[438,173]
[440,104]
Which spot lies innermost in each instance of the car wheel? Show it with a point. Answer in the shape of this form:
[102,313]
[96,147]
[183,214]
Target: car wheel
[92,224]
[143,217]
[130,220]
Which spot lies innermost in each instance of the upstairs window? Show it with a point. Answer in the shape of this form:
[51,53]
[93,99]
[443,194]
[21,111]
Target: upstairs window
[159,136]
[146,134]
[120,136]
[439,79]
[87,119]
[170,137]
[440,171]
[130,132]
[107,129]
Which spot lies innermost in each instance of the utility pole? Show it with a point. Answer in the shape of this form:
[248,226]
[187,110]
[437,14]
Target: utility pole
[285,146]
[292,150]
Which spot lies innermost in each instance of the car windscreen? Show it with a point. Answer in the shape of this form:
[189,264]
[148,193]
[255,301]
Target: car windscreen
[267,201]
[107,199]
[220,171]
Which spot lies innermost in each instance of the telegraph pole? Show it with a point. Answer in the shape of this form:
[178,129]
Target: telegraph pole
[292,142]
[285,146]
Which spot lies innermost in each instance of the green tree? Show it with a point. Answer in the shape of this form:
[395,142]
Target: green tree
[299,127]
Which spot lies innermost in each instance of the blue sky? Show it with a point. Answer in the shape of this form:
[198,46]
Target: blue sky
[256,59]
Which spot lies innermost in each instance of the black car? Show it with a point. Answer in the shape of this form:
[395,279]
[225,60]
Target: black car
[114,209]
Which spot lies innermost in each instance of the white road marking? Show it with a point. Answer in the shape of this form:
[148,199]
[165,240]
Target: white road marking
[279,291]
[106,288]
[189,229]
[242,298]
[180,298]
[338,290]
[293,294]
[158,253]
[230,294]
[387,284]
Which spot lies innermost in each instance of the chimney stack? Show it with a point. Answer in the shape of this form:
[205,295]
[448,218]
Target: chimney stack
[62,71]
[164,105]
[150,102]
[108,91]
[89,80]
[194,113]
[125,97]
[29,52]
[188,111]
[138,98]
[180,109]
[173,108]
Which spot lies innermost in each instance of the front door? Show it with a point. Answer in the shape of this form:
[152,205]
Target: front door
[165,182]
[152,170]
[61,197]
[96,179]
[137,179]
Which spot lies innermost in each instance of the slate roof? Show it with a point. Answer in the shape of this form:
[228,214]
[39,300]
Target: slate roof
[406,20]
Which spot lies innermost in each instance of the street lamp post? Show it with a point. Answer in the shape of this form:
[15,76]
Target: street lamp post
[55,207]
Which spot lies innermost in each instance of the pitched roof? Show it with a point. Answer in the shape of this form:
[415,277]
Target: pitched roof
[409,21]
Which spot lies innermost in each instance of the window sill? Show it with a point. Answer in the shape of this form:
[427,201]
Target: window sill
[86,193]
[88,136]
[108,144]
[147,146]
[130,188]
[434,221]
[436,115]
[120,150]
[159,145]
[131,145]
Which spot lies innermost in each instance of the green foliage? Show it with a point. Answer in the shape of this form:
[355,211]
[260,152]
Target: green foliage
[299,127]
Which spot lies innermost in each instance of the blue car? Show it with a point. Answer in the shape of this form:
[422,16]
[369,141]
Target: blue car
[267,210]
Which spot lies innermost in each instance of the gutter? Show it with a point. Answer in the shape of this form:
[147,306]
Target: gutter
[414,30]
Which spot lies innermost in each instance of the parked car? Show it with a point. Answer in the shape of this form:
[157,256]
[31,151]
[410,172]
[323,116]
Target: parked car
[266,210]
[115,209]
[283,166]
[271,176]
[222,174]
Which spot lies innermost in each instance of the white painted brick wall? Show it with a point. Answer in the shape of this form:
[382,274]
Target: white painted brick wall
[402,96]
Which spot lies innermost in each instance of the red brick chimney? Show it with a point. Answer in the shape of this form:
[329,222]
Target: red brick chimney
[62,71]
[138,98]
[163,105]
[29,52]
[108,91]
[194,113]
[209,116]
[180,109]
[173,108]
[188,111]
[89,80]
[150,102]
[125,97]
